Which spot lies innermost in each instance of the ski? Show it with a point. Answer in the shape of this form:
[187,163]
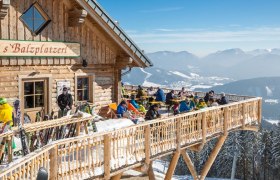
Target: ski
[22,134]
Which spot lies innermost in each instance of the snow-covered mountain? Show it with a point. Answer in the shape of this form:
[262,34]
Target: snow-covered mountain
[173,79]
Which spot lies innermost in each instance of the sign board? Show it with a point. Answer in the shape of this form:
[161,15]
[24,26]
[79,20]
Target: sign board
[60,85]
[12,48]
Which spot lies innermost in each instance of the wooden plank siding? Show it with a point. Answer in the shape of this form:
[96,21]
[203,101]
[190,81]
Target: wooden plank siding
[100,52]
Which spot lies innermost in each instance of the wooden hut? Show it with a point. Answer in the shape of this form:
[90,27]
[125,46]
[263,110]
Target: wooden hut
[48,44]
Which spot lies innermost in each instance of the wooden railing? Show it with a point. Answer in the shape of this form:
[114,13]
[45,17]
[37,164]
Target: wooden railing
[230,97]
[33,128]
[107,154]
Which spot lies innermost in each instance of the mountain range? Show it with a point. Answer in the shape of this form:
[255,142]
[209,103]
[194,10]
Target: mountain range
[230,64]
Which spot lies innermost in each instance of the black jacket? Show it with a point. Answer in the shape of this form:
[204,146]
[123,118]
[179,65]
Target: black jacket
[64,100]
[152,114]
[169,97]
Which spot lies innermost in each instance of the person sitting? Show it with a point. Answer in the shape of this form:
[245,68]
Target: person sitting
[212,102]
[140,92]
[169,97]
[182,93]
[150,91]
[223,99]
[186,106]
[139,107]
[152,113]
[201,104]
[123,92]
[160,95]
[133,102]
[122,110]
[206,97]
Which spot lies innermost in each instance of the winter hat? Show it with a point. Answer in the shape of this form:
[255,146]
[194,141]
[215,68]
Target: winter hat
[3,101]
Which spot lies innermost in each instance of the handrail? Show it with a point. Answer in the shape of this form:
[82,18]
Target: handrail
[118,31]
[231,97]
[109,153]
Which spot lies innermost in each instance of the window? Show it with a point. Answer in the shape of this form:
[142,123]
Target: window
[83,88]
[35,18]
[34,96]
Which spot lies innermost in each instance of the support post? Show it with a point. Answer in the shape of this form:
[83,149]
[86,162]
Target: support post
[147,144]
[78,129]
[243,115]
[204,128]
[117,177]
[10,150]
[226,121]
[178,134]
[53,164]
[151,172]
[190,164]
[107,156]
[212,157]
[172,166]
[260,112]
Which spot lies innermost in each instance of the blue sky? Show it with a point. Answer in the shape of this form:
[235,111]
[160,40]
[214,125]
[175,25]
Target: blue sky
[198,26]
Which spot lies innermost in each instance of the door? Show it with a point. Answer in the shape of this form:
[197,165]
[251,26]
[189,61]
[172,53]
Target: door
[35,98]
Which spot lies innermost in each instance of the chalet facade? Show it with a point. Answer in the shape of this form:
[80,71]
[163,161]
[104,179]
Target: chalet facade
[48,44]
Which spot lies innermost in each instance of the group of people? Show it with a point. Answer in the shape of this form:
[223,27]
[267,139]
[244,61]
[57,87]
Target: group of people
[181,102]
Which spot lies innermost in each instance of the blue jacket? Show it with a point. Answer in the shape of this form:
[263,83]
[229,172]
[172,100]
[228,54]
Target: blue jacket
[160,95]
[121,110]
[184,107]
[134,103]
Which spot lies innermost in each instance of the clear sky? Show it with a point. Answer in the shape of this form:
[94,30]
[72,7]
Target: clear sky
[198,26]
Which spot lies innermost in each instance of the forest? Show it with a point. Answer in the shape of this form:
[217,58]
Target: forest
[245,155]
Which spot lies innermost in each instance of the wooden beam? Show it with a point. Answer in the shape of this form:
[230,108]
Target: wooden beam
[190,164]
[251,128]
[172,166]
[117,177]
[196,147]
[4,6]
[151,172]
[260,112]
[212,157]
[244,115]
[54,163]
[76,17]
[107,156]
[226,120]
[147,144]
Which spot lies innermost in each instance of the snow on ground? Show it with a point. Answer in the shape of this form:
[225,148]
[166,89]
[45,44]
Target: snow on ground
[180,74]
[218,78]
[271,101]
[160,168]
[200,86]
[268,91]
[146,82]
[272,121]
[194,75]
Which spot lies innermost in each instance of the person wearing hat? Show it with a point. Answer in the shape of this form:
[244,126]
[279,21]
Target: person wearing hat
[65,101]
[223,99]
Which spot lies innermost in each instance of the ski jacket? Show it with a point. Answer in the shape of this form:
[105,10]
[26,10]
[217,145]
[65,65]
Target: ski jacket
[64,100]
[152,114]
[6,114]
[160,95]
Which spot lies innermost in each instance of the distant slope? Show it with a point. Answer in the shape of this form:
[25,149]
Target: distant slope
[267,88]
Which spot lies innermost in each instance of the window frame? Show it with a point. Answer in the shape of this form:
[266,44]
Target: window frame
[91,78]
[45,94]
[43,14]
[83,89]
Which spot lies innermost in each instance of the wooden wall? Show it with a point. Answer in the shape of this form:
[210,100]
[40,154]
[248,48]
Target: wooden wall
[100,52]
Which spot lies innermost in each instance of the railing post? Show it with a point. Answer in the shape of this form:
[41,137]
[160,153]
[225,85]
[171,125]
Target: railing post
[53,163]
[204,128]
[260,112]
[226,109]
[10,150]
[147,144]
[107,156]
[78,129]
[178,134]
[243,115]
